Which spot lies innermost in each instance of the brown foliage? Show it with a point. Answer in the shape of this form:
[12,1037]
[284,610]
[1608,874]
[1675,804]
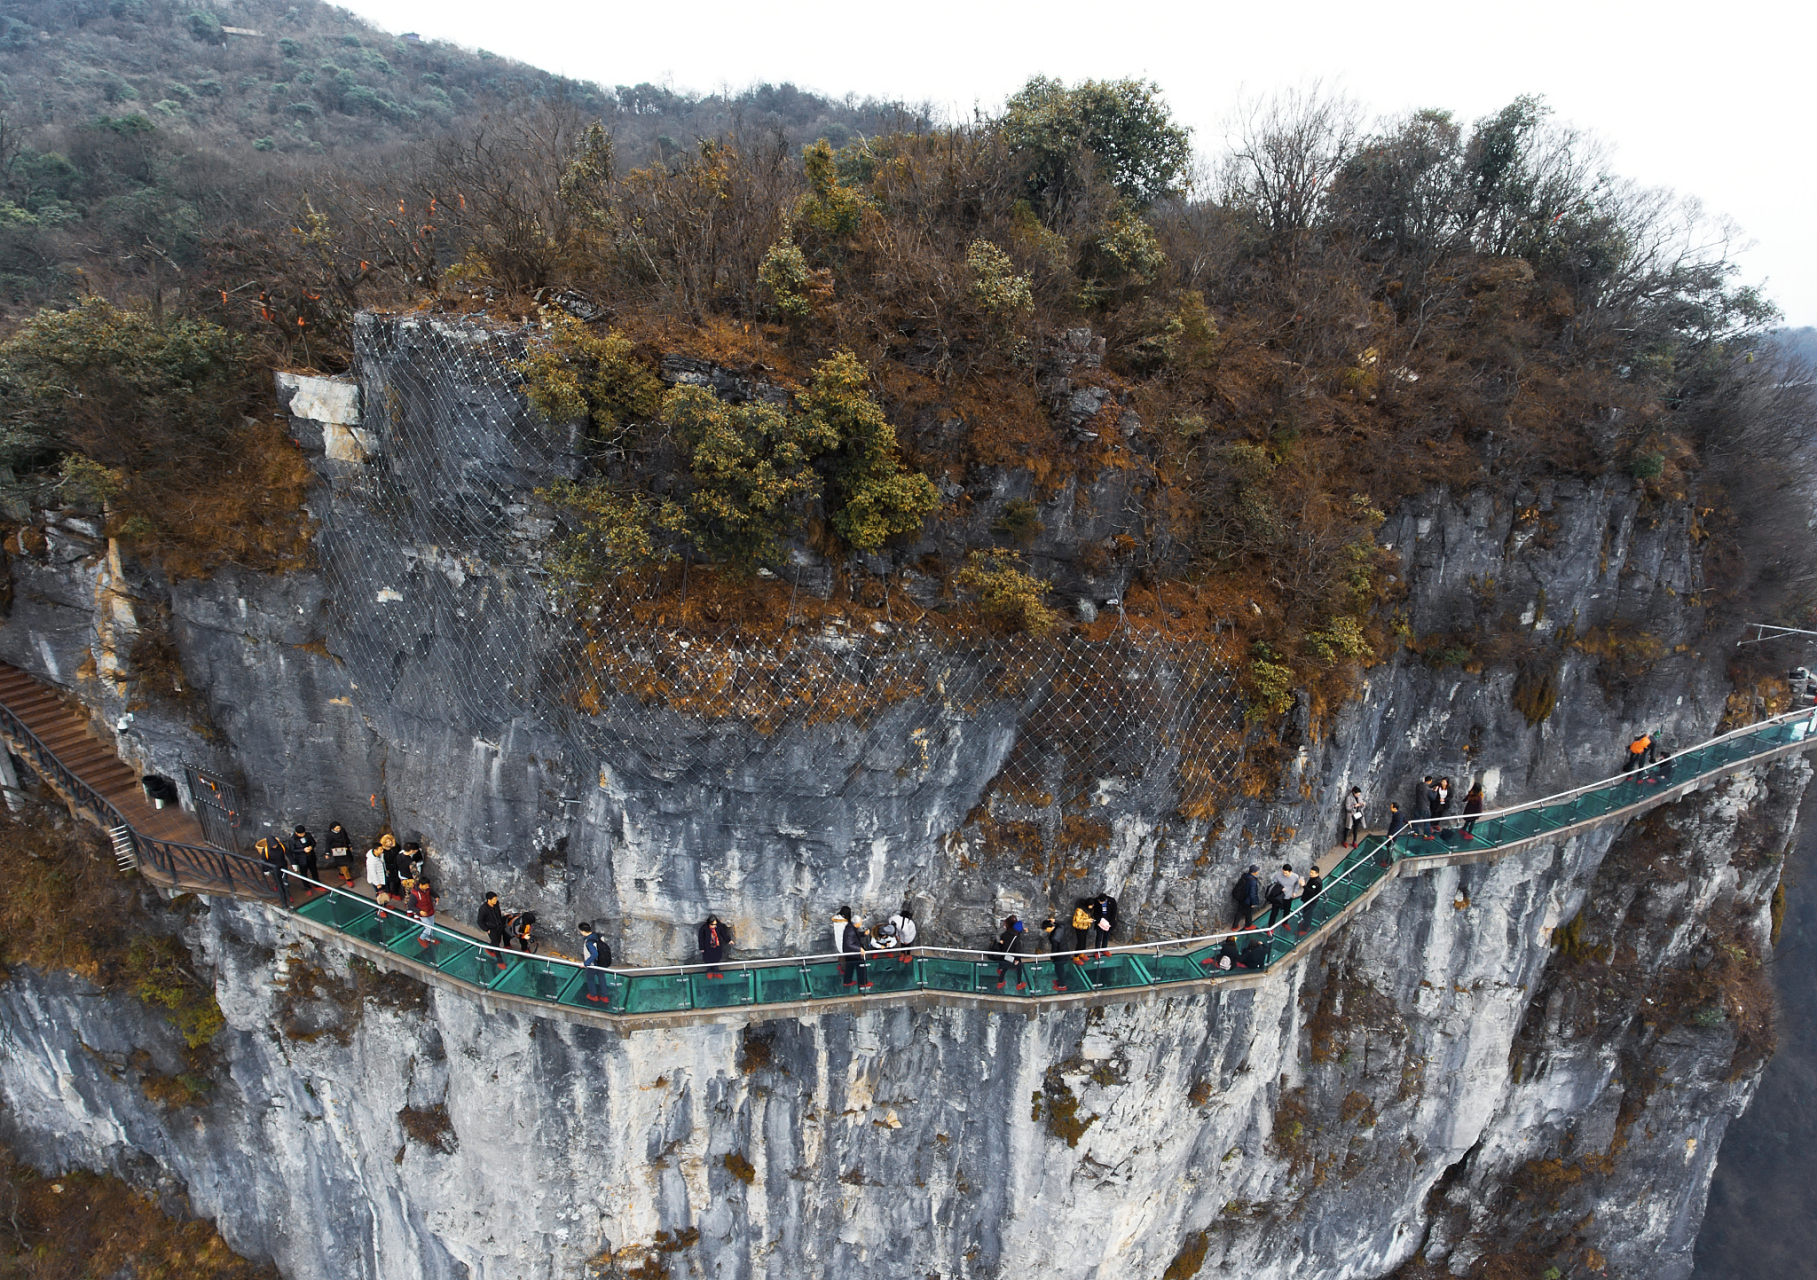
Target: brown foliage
[80,1224]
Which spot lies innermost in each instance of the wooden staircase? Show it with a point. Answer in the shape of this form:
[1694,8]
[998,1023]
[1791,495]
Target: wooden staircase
[67,732]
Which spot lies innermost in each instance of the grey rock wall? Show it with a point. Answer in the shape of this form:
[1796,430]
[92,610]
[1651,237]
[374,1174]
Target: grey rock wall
[405,680]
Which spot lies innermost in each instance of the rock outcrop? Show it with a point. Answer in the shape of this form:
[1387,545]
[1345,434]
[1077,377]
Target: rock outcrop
[1537,1055]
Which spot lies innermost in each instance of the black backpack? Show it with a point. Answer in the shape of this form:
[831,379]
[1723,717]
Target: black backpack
[1277,896]
[1236,890]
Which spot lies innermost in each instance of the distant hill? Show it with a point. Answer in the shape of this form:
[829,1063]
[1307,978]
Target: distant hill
[130,129]
[1798,344]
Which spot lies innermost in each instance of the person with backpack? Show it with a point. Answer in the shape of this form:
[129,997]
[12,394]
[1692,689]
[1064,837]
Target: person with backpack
[1637,752]
[1473,809]
[714,937]
[1104,907]
[1247,892]
[422,906]
[523,930]
[340,853]
[389,856]
[491,922]
[595,958]
[1085,926]
[272,853]
[1353,817]
[1009,949]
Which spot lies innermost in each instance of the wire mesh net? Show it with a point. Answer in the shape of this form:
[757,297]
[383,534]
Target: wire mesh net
[432,542]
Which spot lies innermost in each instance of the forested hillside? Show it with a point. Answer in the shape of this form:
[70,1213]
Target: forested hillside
[132,132]
[1343,313]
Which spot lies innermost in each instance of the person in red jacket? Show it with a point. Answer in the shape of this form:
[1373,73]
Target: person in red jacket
[422,906]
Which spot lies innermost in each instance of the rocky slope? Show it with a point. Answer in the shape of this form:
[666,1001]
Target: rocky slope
[1443,1086]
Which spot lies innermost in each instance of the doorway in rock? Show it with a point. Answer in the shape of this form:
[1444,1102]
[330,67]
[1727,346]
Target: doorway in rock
[218,807]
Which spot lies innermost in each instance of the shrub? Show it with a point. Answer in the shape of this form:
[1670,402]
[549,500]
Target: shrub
[1006,595]
[1268,683]
[1342,637]
[829,208]
[1647,466]
[794,286]
[205,27]
[1020,521]
[1000,293]
[605,530]
[581,374]
[870,498]
[748,471]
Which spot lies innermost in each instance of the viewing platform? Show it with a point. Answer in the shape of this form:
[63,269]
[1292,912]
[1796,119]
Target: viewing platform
[167,846]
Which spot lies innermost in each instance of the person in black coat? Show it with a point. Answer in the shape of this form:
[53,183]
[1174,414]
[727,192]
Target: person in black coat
[1009,952]
[852,944]
[1248,896]
[491,921]
[302,852]
[1106,908]
[340,852]
[271,850]
[714,936]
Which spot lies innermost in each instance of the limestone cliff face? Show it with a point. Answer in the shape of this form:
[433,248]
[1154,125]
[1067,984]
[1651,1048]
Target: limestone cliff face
[1439,1081]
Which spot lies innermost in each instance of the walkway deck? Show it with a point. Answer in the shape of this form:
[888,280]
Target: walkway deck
[52,735]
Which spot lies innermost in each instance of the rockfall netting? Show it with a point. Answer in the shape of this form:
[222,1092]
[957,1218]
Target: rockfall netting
[432,541]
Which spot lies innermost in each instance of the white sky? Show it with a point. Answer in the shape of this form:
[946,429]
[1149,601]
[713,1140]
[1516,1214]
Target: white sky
[1703,98]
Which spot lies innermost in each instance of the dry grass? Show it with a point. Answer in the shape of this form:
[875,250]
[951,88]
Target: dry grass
[83,1225]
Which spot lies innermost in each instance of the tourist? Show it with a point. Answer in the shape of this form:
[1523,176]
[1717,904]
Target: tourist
[1009,948]
[1085,927]
[302,853]
[1429,794]
[1105,908]
[1353,817]
[1473,809]
[340,853]
[1315,885]
[1662,773]
[523,930]
[1284,887]
[714,937]
[906,933]
[848,933]
[391,856]
[1396,824]
[1441,805]
[595,958]
[422,907]
[272,852]
[413,861]
[491,922]
[1248,895]
[377,874]
[1637,752]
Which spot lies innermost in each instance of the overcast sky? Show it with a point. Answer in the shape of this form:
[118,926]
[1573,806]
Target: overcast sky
[1703,98]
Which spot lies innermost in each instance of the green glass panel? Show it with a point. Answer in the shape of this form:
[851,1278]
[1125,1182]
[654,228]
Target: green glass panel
[938,974]
[889,972]
[1176,968]
[338,911]
[410,943]
[479,965]
[537,979]
[782,984]
[382,930]
[657,994]
[611,987]
[827,978]
[731,987]
[1120,970]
